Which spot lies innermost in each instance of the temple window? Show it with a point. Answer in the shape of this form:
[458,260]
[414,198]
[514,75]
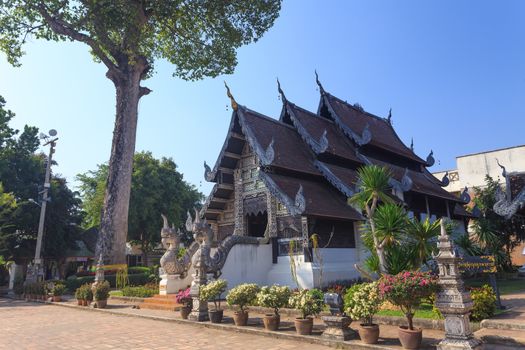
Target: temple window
[256,224]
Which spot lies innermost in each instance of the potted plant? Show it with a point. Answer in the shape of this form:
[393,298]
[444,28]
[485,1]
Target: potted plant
[101,294]
[362,302]
[212,292]
[87,294]
[242,296]
[405,290]
[310,303]
[274,297]
[57,291]
[79,295]
[183,297]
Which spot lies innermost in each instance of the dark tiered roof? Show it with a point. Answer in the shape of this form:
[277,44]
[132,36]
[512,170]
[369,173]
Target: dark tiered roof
[309,161]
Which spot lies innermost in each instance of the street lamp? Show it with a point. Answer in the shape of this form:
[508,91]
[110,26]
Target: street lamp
[36,273]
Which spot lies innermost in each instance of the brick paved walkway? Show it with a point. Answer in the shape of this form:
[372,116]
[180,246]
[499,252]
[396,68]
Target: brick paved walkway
[39,326]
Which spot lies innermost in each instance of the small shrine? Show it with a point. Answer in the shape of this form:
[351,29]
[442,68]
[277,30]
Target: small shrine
[453,300]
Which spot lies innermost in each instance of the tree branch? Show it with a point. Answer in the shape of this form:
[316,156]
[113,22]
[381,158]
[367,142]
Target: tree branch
[61,27]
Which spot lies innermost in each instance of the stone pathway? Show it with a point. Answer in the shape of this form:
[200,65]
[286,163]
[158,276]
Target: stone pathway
[40,326]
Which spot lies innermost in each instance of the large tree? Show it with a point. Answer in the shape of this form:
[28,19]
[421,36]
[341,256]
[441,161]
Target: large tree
[198,36]
[22,173]
[156,188]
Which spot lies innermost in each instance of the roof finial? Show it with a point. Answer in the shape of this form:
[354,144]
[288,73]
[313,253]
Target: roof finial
[235,106]
[389,118]
[412,144]
[318,82]
[283,97]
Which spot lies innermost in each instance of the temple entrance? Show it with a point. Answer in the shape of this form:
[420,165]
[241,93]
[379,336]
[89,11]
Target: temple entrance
[256,224]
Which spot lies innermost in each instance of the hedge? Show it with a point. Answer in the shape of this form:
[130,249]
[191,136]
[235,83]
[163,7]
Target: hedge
[139,269]
[137,279]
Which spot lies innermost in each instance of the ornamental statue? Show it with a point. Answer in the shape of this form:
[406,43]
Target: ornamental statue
[173,269]
[205,264]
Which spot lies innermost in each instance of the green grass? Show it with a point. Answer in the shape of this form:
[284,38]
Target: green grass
[505,286]
[115,293]
[424,311]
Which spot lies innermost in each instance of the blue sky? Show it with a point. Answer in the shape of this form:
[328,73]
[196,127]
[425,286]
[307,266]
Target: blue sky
[453,73]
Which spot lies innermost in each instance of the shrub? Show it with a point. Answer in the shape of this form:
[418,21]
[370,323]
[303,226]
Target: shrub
[243,295]
[309,302]
[184,297]
[484,300]
[364,302]
[58,289]
[145,291]
[139,279]
[212,292]
[139,269]
[102,291]
[406,289]
[274,297]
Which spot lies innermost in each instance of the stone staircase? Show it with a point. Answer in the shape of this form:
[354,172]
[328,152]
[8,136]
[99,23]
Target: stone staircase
[160,302]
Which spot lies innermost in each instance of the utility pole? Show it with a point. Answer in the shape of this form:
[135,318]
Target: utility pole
[35,273]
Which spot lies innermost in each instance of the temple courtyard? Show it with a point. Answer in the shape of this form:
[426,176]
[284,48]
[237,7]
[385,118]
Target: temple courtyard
[34,325]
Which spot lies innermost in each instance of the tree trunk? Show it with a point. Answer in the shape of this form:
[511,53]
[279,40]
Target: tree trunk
[114,222]
[410,317]
[380,251]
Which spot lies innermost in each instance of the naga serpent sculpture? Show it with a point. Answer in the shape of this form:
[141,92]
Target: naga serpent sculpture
[203,259]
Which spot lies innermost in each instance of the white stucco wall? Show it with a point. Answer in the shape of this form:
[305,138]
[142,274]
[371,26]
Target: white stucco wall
[473,168]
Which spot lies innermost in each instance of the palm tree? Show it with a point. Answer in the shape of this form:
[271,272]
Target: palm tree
[373,187]
[422,236]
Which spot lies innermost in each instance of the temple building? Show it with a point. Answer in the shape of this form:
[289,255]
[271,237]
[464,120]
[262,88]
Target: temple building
[287,179]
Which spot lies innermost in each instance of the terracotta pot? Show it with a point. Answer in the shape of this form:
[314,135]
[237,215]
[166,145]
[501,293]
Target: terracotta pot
[215,316]
[369,334]
[410,339]
[57,298]
[240,318]
[101,304]
[184,312]
[271,322]
[80,302]
[84,302]
[303,326]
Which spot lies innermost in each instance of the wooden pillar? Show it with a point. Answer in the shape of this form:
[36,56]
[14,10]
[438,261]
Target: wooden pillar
[271,209]
[238,208]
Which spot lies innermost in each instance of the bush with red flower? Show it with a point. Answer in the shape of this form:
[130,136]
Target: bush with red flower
[406,289]
[183,297]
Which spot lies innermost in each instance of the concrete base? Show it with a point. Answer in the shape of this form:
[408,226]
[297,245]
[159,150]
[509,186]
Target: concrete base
[459,344]
[337,328]
[171,284]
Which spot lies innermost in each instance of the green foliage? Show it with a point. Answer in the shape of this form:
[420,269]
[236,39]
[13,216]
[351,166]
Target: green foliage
[309,302]
[362,302]
[139,269]
[138,279]
[484,300]
[58,289]
[157,187]
[22,174]
[199,38]
[421,237]
[274,297]
[101,291]
[493,233]
[212,292]
[243,295]
[84,292]
[145,291]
